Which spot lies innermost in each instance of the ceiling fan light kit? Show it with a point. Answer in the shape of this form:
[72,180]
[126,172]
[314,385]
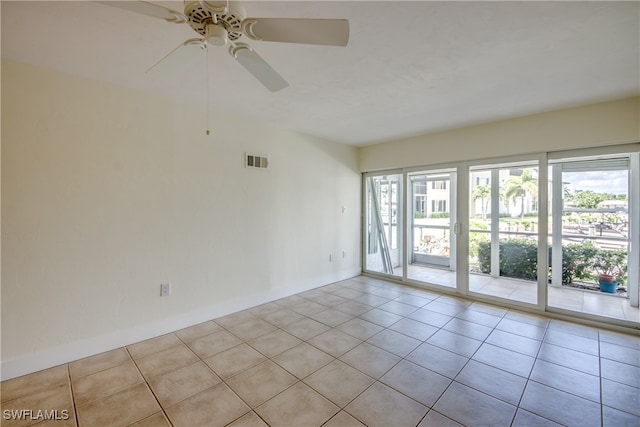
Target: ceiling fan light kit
[222,22]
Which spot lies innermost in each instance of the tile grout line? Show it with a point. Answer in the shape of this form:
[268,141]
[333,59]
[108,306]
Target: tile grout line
[528,379]
[144,378]
[222,380]
[600,381]
[73,396]
[493,329]
[461,369]
[343,408]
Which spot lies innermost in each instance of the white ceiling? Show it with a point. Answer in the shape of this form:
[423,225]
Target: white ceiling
[409,68]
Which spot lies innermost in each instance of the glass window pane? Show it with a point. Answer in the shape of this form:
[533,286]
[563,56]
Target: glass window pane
[503,232]
[432,248]
[383,222]
[590,236]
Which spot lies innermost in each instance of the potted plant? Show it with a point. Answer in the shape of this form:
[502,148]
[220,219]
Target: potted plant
[610,264]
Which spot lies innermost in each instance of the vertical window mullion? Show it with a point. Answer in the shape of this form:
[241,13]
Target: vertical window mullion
[556,232]
[460,220]
[633,260]
[495,222]
[543,233]
[406,224]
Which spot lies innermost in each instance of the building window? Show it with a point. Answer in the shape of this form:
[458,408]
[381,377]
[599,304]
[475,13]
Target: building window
[420,187]
[421,206]
[438,206]
[439,185]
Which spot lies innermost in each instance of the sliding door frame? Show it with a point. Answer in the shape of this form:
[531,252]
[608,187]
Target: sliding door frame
[454,186]
[461,225]
[400,226]
[633,255]
[494,165]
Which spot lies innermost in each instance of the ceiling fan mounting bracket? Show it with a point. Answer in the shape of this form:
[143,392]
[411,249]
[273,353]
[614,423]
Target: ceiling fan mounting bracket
[196,42]
[247,29]
[235,48]
[178,18]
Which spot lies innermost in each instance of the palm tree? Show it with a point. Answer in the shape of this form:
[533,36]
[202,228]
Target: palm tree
[521,186]
[482,192]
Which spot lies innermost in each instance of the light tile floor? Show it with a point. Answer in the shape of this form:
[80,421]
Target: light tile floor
[358,352]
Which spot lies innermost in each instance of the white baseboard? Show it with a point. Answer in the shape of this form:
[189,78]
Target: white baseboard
[80,349]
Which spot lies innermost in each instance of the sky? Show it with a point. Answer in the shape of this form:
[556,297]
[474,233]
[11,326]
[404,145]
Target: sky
[615,182]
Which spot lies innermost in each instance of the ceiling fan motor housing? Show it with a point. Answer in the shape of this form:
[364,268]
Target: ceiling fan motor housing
[201,17]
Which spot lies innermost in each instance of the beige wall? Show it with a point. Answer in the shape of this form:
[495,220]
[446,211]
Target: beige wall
[594,125]
[108,192]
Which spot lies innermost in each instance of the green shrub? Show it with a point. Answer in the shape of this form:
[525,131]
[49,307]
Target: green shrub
[484,256]
[440,215]
[475,237]
[518,258]
[577,261]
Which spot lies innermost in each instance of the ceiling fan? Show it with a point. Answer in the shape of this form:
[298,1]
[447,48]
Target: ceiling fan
[220,23]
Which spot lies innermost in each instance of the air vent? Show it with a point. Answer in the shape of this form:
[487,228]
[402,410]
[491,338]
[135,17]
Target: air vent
[254,161]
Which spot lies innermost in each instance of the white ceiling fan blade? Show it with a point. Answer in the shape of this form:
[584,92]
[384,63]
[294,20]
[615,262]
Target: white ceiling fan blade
[329,32]
[257,66]
[179,57]
[148,9]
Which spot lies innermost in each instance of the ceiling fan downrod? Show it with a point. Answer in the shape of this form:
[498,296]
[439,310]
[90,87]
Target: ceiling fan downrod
[216,8]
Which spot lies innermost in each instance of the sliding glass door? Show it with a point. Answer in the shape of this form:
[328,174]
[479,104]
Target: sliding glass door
[591,236]
[383,223]
[431,218]
[503,231]
[533,231]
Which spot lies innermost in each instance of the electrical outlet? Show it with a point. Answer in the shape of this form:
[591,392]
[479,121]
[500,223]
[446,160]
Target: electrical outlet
[344,254]
[165,289]
[330,257]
